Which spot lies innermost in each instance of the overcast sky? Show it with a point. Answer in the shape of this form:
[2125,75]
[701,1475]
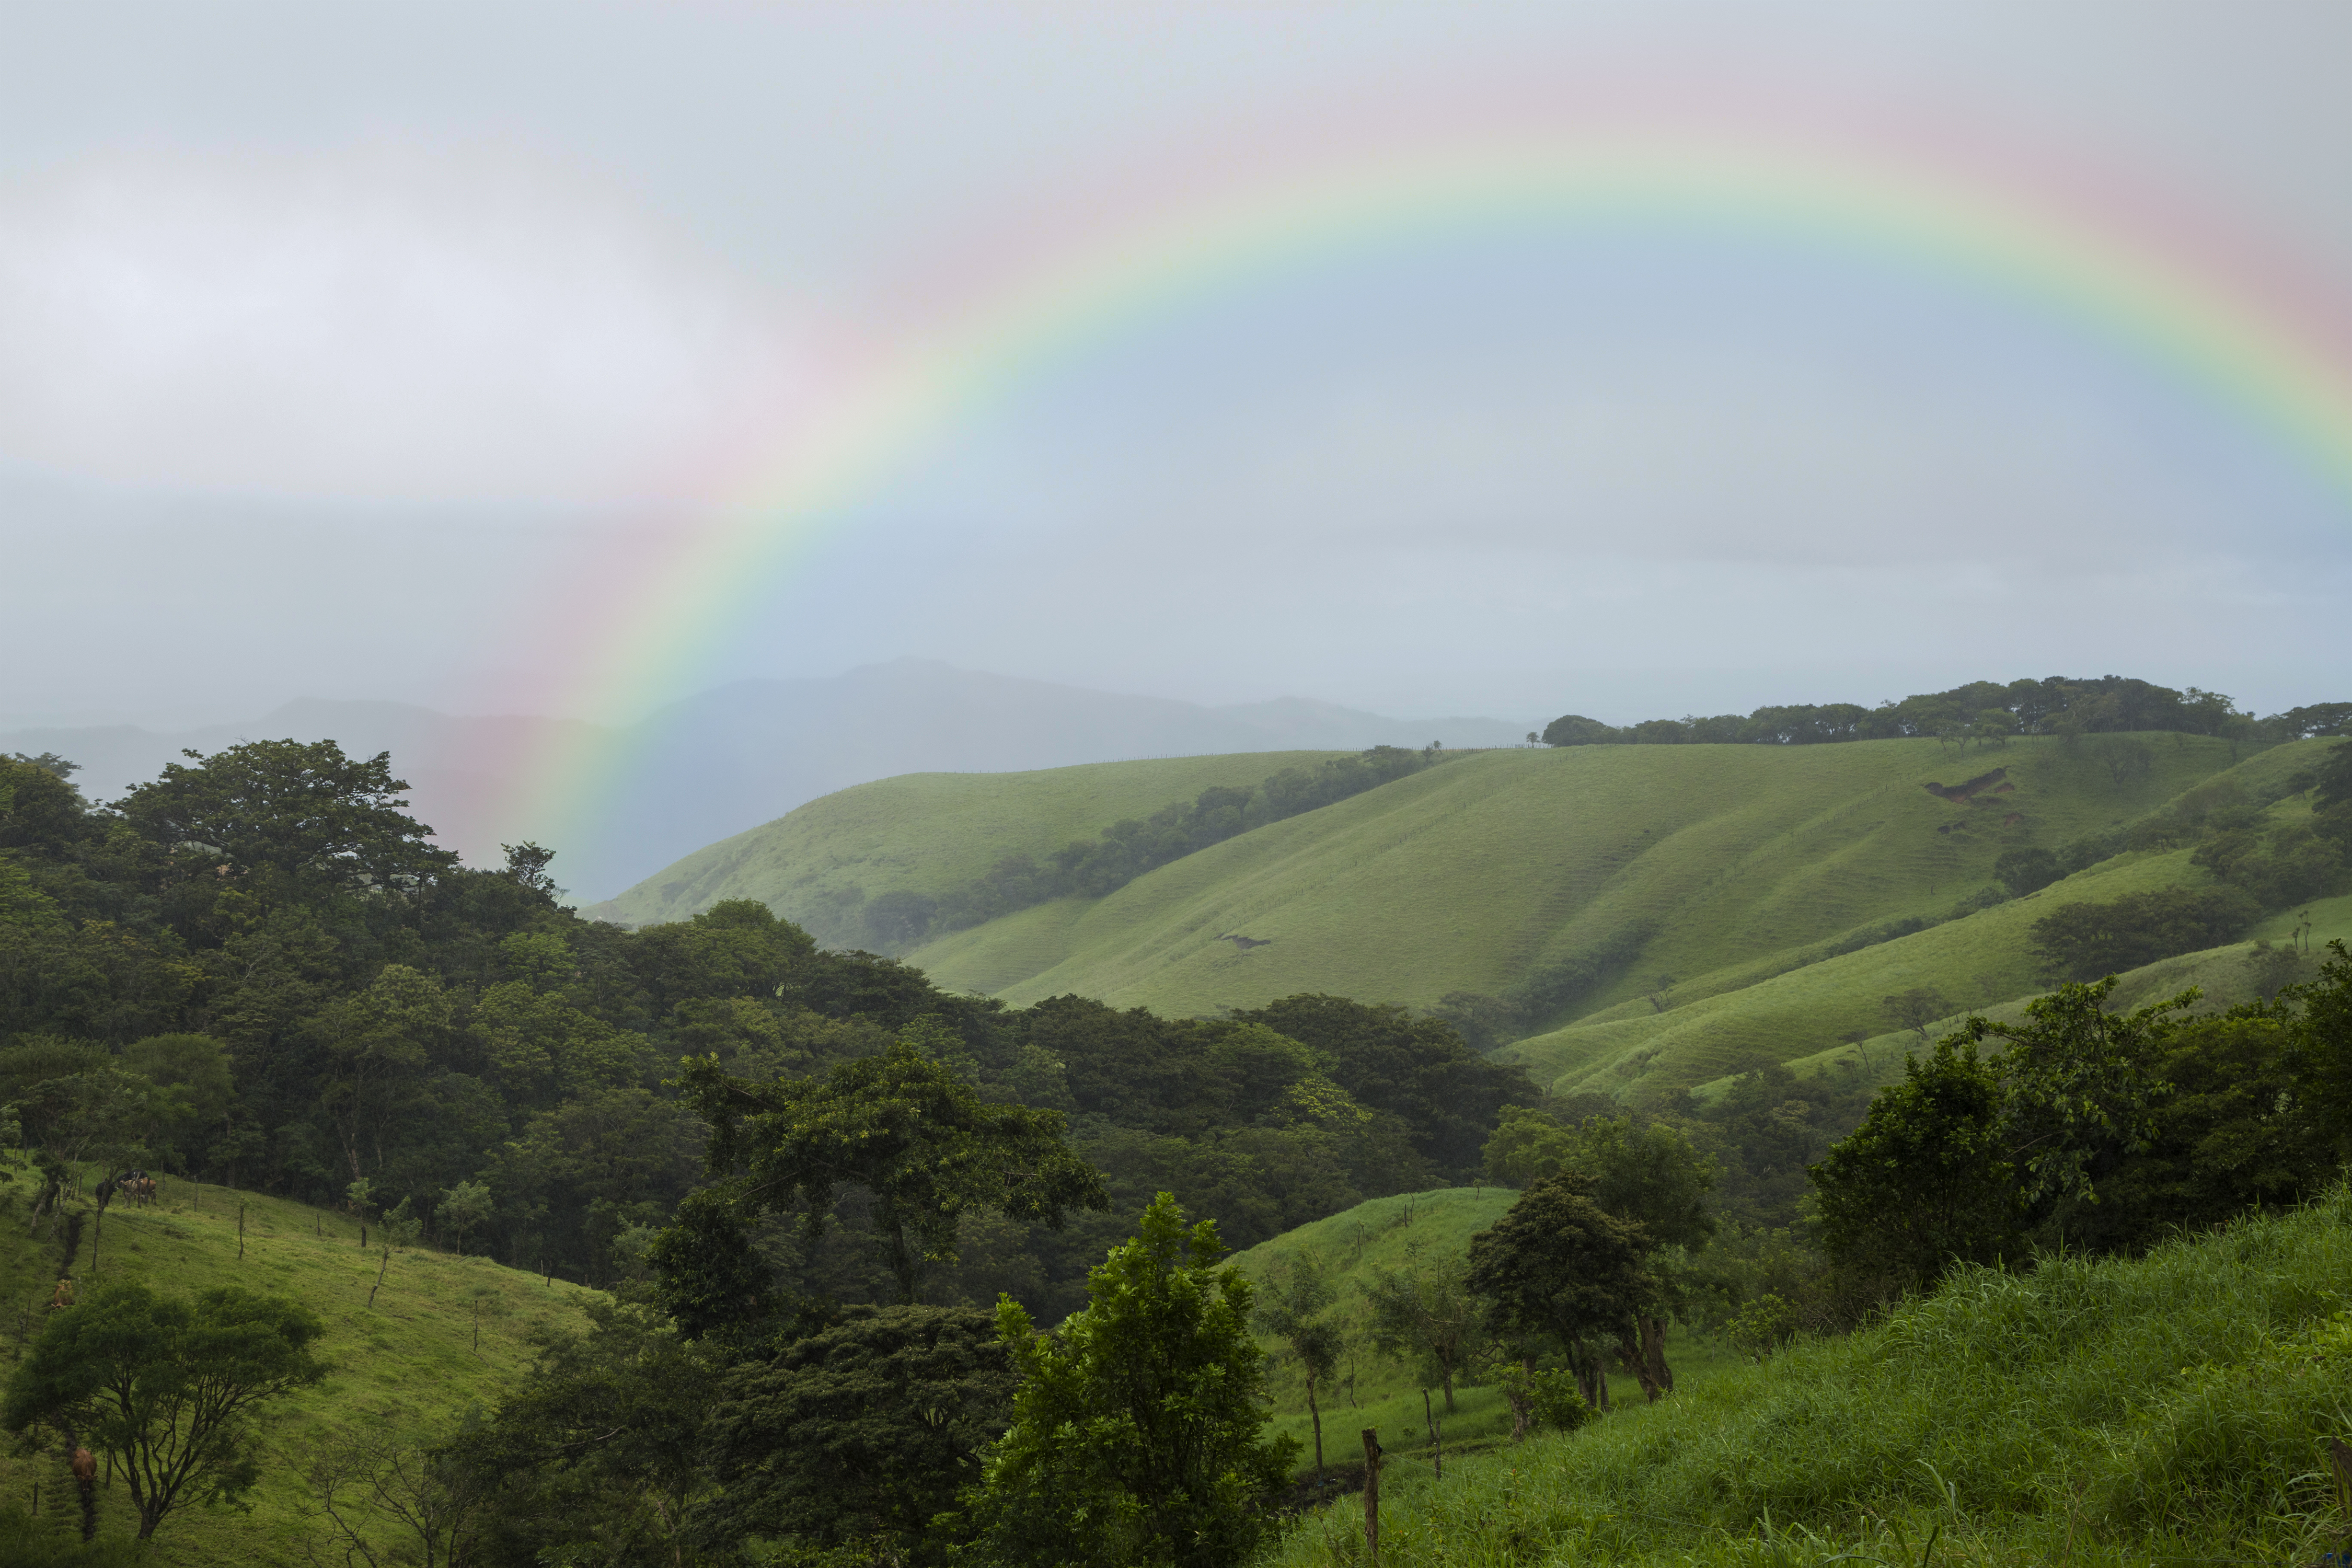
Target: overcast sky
[338,346]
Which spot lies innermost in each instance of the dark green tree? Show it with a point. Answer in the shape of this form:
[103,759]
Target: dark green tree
[860,1434]
[168,1385]
[2085,941]
[1925,1180]
[302,809]
[1137,1434]
[599,1457]
[1559,1265]
[2027,871]
[903,1127]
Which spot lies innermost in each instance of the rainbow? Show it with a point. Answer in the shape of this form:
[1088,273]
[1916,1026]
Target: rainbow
[2182,295]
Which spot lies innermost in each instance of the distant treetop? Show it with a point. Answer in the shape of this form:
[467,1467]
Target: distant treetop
[1983,711]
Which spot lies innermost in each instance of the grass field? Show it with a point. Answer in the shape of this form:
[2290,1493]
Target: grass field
[1735,858]
[925,832]
[2170,1410]
[407,1364]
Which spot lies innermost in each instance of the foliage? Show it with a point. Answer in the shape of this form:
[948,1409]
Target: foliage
[2085,941]
[167,1387]
[862,1433]
[1296,1311]
[1559,1265]
[596,1459]
[1424,1315]
[1137,1433]
[1985,711]
[290,807]
[1924,1182]
[905,1128]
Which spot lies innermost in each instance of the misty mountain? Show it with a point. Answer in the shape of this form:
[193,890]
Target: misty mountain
[744,753]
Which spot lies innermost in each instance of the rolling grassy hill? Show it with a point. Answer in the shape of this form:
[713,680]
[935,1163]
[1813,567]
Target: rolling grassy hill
[923,833]
[1706,888]
[407,1364]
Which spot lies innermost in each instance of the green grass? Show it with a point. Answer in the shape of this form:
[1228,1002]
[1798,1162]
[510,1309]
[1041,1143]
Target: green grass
[1374,1390]
[1740,860]
[925,832]
[2170,1409]
[405,1365]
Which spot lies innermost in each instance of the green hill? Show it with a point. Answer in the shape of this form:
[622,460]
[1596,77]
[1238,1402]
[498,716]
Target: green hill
[408,1363]
[1677,910]
[819,864]
[2171,1409]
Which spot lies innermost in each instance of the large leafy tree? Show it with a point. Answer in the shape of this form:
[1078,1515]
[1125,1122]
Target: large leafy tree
[302,809]
[862,1433]
[167,1386]
[908,1130]
[1138,1434]
[1559,1265]
[1648,1173]
[1925,1180]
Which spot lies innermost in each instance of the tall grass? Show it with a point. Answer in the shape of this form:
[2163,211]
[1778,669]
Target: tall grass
[2172,1408]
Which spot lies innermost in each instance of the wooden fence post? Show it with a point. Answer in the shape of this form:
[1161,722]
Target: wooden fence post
[1372,1495]
[1437,1438]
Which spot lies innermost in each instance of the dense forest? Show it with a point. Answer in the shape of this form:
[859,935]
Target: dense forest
[807,1176]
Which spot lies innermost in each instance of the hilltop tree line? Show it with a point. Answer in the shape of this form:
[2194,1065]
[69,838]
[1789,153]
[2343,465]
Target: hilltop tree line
[1986,712]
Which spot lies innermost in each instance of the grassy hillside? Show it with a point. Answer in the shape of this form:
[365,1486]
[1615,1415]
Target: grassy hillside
[1470,876]
[2173,1409]
[924,833]
[406,1364]
[1704,887]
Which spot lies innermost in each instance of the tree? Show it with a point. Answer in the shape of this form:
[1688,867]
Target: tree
[1560,1265]
[1576,730]
[1925,1180]
[367,1482]
[2027,871]
[296,808]
[527,864]
[1137,1434]
[906,1129]
[1915,1009]
[863,1432]
[167,1386]
[600,1455]
[1425,1311]
[464,1207]
[2079,1084]
[1296,1311]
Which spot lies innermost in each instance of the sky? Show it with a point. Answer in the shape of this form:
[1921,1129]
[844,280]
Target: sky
[397,352]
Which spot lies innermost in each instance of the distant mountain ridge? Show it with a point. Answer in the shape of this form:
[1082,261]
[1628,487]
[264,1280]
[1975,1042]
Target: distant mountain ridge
[739,755]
